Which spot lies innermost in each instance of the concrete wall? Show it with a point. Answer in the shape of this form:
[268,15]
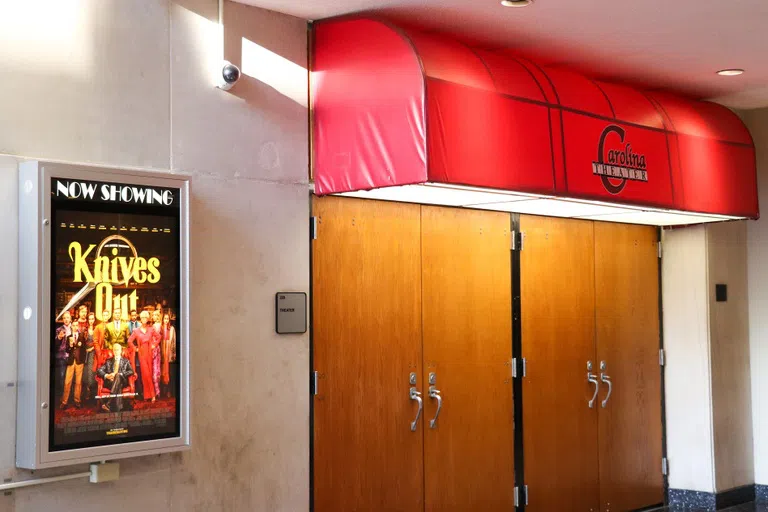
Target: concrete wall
[757,256]
[131,84]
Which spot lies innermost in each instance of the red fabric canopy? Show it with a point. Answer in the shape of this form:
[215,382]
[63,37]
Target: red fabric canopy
[395,108]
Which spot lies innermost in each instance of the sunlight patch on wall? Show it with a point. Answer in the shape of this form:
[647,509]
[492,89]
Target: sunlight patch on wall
[286,77]
[49,35]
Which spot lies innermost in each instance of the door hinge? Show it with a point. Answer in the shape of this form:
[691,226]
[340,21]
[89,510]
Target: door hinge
[521,364]
[662,357]
[664,466]
[315,378]
[658,245]
[517,240]
[313,228]
[521,496]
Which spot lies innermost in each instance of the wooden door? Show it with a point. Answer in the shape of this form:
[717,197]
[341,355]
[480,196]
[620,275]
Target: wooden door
[558,339]
[366,264]
[467,304]
[627,318]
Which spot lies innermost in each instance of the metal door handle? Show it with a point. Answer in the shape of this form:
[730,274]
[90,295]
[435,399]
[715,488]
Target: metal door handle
[415,395]
[591,377]
[435,393]
[606,379]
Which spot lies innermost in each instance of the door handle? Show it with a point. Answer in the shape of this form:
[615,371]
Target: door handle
[592,378]
[415,395]
[435,393]
[607,380]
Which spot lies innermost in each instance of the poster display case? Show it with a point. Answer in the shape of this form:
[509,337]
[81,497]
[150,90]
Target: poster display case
[103,314]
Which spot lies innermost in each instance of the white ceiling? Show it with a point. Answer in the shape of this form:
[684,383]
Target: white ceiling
[675,44]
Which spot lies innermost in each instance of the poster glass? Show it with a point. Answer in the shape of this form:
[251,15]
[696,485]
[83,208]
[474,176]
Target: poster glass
[115,315]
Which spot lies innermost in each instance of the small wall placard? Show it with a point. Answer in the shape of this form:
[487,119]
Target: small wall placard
[291,312]
[721,293]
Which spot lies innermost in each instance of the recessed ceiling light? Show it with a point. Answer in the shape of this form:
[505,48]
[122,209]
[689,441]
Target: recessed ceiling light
[730,72]
[516,3]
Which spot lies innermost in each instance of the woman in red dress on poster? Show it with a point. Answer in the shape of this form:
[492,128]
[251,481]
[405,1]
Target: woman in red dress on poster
[148,339]
[102,353]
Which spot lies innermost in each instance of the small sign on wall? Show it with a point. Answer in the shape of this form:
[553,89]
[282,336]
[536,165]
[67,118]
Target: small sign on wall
[721,293]
[291,313]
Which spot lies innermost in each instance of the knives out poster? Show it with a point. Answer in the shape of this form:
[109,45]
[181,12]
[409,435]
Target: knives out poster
[115,321]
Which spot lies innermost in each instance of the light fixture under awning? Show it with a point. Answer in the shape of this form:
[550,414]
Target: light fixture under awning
[533,204]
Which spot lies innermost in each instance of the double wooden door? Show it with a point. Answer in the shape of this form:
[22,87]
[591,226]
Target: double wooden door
[411,308]
[592,392]
[412,342]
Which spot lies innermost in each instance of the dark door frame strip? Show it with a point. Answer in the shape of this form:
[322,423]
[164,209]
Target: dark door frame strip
[517,354]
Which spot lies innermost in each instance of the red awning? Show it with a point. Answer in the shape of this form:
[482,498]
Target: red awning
[395,108]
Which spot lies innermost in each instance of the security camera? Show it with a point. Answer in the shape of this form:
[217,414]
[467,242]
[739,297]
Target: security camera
[230,74]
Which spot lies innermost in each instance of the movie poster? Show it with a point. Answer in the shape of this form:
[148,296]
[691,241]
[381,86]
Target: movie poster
[115,321]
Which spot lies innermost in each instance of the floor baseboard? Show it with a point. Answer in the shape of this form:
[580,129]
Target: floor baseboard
[682,499]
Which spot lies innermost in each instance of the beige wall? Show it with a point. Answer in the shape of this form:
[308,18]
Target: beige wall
[729,344]
[688,391]
[708,383]
[757,259]
[131,84]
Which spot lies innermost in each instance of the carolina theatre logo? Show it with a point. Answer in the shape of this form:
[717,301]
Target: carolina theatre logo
[618,165]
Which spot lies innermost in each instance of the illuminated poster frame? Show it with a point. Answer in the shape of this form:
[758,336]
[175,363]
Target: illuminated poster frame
[102,419]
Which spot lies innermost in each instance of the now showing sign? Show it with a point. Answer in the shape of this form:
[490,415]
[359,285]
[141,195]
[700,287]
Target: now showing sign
[112,193]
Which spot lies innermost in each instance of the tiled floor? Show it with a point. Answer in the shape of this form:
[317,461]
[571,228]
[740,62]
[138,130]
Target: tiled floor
[749,507]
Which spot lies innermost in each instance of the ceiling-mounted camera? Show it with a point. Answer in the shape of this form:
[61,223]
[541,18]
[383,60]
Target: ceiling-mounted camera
[229,76]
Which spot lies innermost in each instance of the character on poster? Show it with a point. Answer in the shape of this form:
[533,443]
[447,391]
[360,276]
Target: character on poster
[90,359]
[116,331]
[61,354]
[156,351]
[168,337]
[75,348]
[134,323]
[147,339]
[132,326]
[115,374]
